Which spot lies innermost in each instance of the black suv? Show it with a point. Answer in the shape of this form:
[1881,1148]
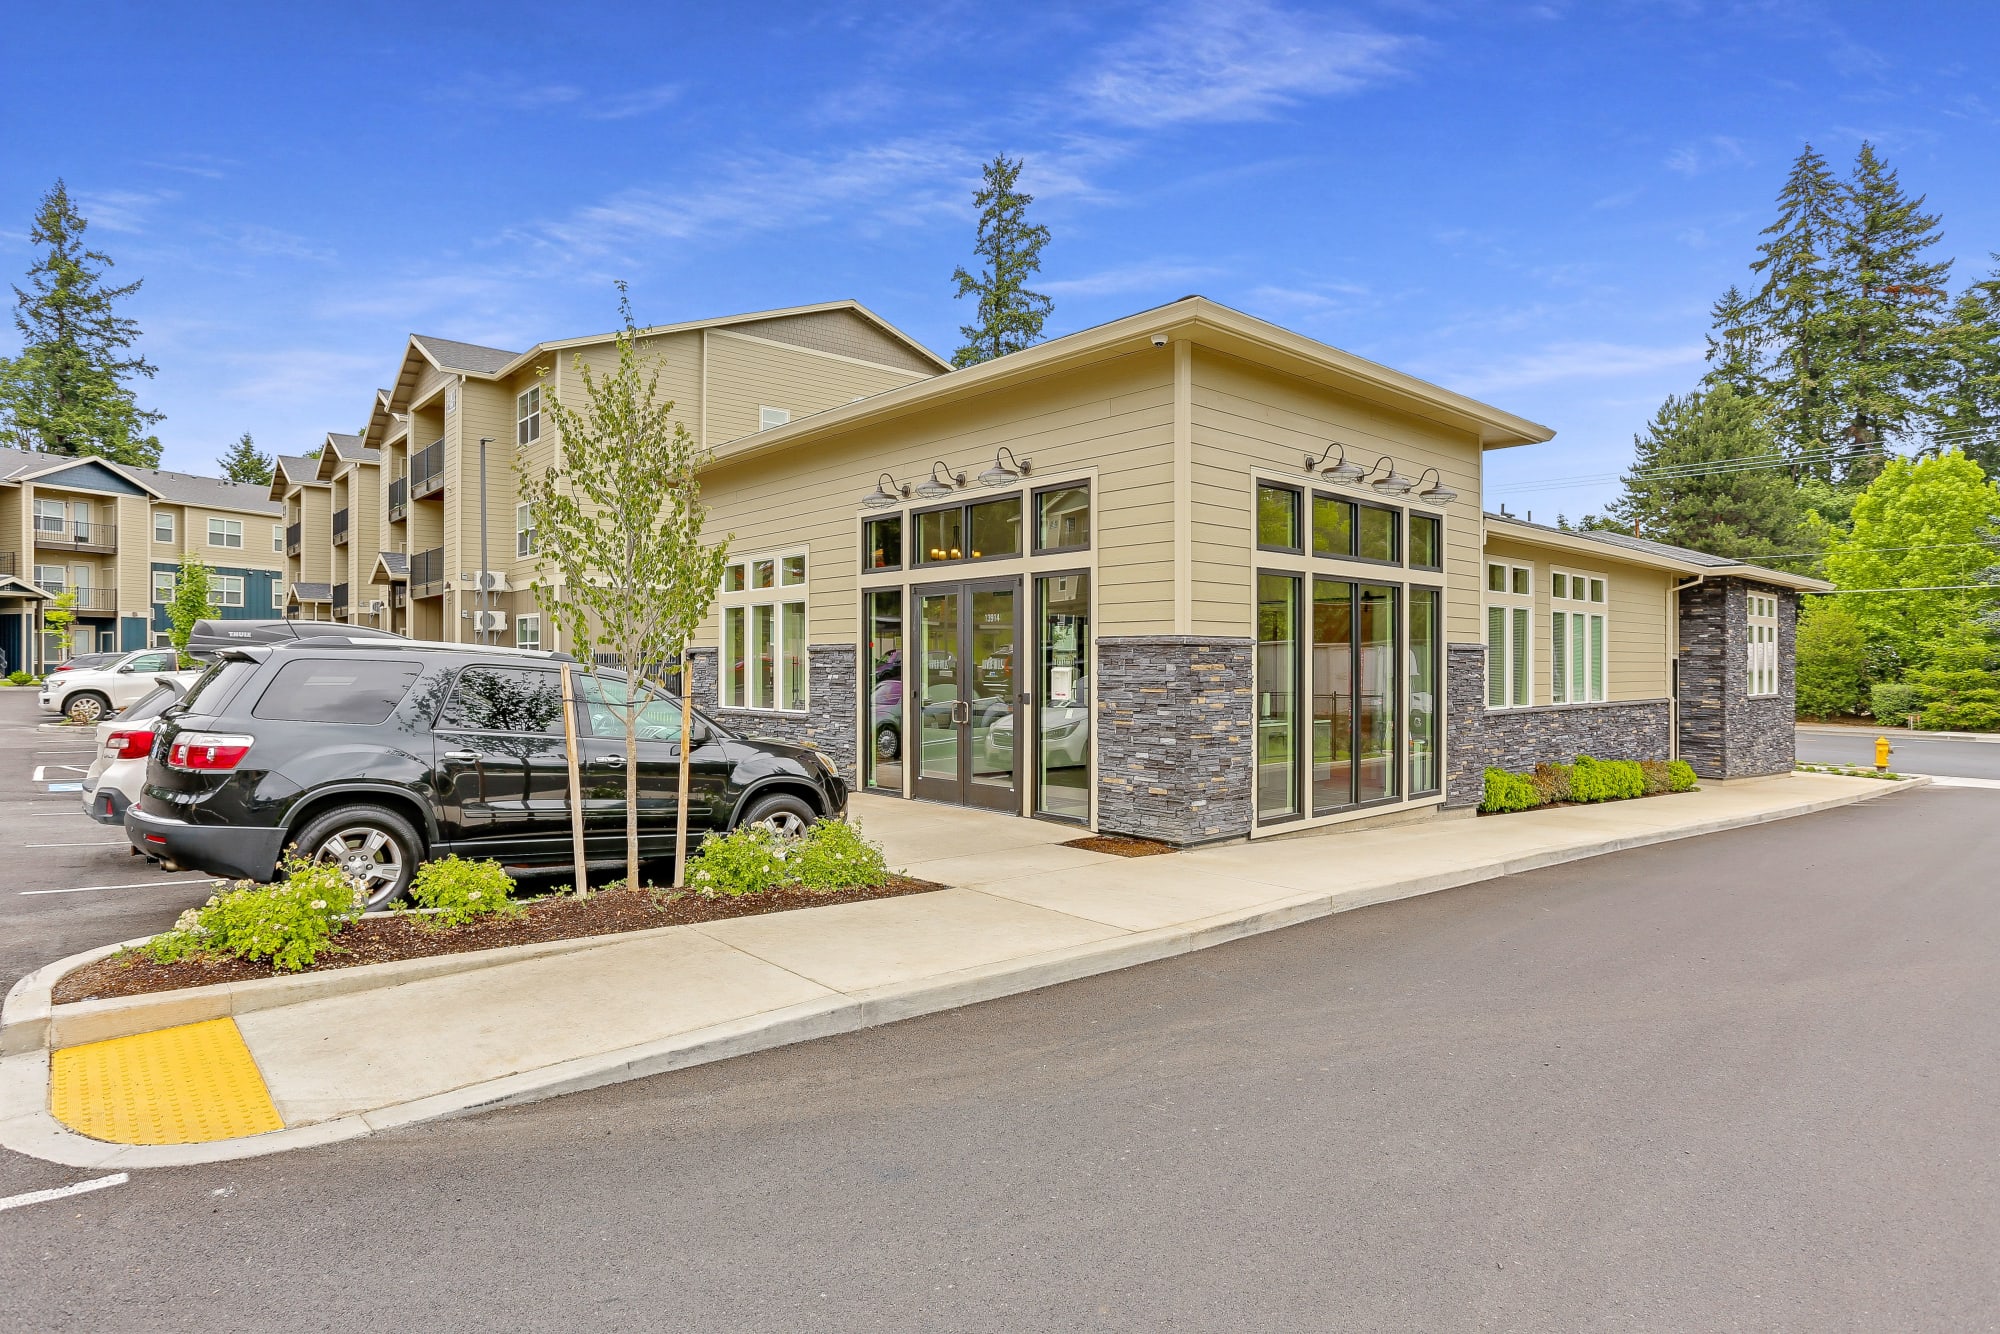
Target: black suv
[378,754]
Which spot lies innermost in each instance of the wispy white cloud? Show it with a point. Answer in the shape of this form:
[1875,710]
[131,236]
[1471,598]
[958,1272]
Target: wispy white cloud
[205,165]
[1166,278]
[122,210]
[1234,60]
[252,238]
[512,93]
[1717,150]
[624,106]
[1576,361]
[294,373]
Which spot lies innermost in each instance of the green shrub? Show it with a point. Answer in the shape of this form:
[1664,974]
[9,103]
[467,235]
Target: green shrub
[1606,780]
[1892,702]
[1831,660]
[748,860]
[1959,691]
[21,678]
[1680,776]
[834,855]
[1551,782]
[1508,792]
[1658,775]
[289,923]
[461,890]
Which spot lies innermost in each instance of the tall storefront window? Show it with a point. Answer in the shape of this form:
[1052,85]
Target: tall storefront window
[764,634]
[1380,692]
[1277,696]
[1356,686]
[1062,612]
[1426,706]
[885,689]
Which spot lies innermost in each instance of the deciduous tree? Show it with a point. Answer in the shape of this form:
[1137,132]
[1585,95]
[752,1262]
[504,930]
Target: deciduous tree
[1831,672]
[193,600]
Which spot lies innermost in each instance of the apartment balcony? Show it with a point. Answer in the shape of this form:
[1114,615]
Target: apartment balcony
[340,528]
[101,538]
[340,600]
[427,573]
[399,500]
[89,601]
[427,470]
[10,563]
[294,538]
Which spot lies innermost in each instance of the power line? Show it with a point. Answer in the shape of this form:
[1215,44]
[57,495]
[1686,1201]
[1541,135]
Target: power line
[1870,551]
[1924,588]
[1686,471]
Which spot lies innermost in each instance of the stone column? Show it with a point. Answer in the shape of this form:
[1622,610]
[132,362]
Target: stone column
[1723,731]
[1176,737]
[1464,719]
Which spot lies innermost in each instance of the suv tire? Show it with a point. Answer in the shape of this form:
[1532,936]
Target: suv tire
[86,707]
[780,812]
[373,842]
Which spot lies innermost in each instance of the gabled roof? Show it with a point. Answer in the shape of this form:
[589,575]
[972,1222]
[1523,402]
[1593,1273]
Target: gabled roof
[390,566]
[13,586]
[174,488]
[1645,551]
[306,592]
[340,451]
[89,473]
[290,470]
[470,358]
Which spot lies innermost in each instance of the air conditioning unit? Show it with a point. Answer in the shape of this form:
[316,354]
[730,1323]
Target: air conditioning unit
[377,606]
[489,620]
[493,581]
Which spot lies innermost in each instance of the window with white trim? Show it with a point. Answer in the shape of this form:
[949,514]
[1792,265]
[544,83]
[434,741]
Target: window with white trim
[52,578]
[163,525]
[228,590]
[528,416]
[1762,677]
[763,660]
[524,530]
[1579,636]
[528,630]
[225,532]
[51,516]
[277,593]
[277,537]
[163,586]
[1510,616]
[770,417]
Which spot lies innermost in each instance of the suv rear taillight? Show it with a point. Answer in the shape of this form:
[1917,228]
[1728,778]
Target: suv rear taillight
[129,745]
[208,752]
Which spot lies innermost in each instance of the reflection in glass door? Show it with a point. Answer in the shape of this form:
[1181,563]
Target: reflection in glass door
[1356,686]
[937,702]
[884,684]
[966,711]
[1062,705]
[1277,696]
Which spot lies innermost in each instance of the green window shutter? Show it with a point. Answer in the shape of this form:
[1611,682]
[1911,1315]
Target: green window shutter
[1496,657]
[1559,657]
[1518,659]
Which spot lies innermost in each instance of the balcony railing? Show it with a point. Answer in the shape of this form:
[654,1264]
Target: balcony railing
[82,536]
[399,499]
[427,470]
[89,601]
[340,600]
[10,563]
[427,573]
[340,528]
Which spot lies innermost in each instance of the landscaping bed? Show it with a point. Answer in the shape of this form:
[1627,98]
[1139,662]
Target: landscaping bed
[408,936]
[1586,782]
[1121,845]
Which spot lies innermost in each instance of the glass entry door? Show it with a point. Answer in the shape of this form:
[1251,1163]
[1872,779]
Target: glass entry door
[967,696]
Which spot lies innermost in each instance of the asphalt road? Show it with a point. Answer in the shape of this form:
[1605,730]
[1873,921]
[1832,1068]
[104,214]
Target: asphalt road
[1742,1082]
[1910,754]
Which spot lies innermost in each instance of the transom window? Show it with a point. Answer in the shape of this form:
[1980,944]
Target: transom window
[1062,518]
[528,416]
[1762,677]
[976,530]
[163,525]
[882,543]
[1578,637]
[763,662]
[1510,612]
[1340,528]
[225,532]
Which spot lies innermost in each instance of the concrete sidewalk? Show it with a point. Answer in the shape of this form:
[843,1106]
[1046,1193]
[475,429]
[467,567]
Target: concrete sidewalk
[1023,913]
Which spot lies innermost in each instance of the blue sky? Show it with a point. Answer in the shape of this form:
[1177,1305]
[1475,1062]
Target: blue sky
[1533,203]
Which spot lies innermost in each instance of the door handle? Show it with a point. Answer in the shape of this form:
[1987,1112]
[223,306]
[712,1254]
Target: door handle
[462,756]
[961,711]
[608,762]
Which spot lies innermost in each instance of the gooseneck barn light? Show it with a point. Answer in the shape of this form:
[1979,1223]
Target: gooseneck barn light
[888,491]
[1000,474]
[934,486]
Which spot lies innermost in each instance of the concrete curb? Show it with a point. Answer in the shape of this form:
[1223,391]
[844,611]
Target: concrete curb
[27,1127]
[1892,732]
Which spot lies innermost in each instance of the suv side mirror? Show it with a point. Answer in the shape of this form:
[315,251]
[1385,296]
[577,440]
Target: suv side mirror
[698,733]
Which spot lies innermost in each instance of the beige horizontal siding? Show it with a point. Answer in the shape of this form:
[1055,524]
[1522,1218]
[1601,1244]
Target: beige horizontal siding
[1641,631]
[746,374]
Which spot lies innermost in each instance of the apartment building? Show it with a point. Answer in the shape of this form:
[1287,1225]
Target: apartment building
[306,535]
[113,537]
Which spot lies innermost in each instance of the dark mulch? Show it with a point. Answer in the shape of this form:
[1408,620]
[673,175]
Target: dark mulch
[384,939]
[1118,845]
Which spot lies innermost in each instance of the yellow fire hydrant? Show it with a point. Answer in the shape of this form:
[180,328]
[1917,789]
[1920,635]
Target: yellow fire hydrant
[1881,754]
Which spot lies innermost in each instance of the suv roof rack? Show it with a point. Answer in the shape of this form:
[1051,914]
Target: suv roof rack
[427,645]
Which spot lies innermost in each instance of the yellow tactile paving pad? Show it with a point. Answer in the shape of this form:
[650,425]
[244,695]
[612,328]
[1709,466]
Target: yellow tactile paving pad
[183,1085]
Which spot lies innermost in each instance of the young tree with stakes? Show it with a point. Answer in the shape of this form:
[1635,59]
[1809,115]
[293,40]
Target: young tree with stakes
[1010,316]
[66,392]
[622,568]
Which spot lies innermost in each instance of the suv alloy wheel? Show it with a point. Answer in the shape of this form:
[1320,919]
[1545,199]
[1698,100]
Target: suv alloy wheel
[375,846]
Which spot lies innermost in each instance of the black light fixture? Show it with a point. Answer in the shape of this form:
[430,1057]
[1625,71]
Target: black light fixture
[888,491]
[1000,474]
[1437,493]
[1392,483]
[934,486]
[1344,472]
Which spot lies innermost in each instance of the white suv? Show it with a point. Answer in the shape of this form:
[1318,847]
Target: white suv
[91,694]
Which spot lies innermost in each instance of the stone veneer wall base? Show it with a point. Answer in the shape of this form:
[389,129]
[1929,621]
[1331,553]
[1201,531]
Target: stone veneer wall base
[829,722]
[1175,737]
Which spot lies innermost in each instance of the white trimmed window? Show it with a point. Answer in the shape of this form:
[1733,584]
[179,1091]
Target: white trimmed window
[528,631]
[277,593]
[51,516]
[1579,636]
[163,525]
[228,590]
[524,530]
[277,537]
[1510,617]
[53,578]
[528,416]
[163,586]
[1762,678]
[770,417]
[225,532]
[763,663]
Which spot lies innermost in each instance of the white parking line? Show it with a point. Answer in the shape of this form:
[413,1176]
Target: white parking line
[92,889]
[63,1192]
[41,771]
[119,844]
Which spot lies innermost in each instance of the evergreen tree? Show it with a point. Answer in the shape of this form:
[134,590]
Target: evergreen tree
[1010,316]
[244,462]
[1891,301]
[1966,407]
[1735,345]
[1688,486]
[1797,309]
[66,392]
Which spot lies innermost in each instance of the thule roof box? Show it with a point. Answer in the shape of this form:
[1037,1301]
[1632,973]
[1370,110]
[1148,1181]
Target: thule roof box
[209,637]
